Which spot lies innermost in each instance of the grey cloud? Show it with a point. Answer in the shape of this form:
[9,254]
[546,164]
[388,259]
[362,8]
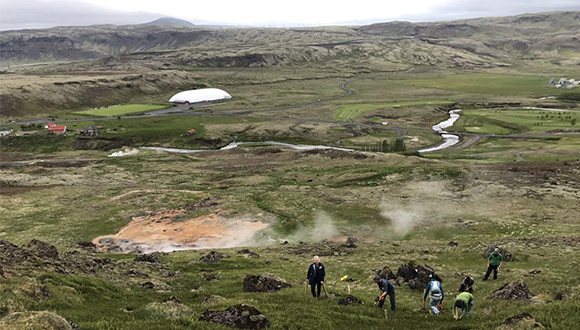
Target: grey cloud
[460,9]
[41,14]
[19,14]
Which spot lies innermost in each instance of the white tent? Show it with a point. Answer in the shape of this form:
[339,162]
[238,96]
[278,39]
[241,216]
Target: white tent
[200,95]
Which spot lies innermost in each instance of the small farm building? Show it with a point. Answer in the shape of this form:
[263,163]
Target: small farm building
[57,129]
[6,131]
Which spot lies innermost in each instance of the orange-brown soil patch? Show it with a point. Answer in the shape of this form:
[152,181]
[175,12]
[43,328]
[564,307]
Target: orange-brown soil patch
[167,231]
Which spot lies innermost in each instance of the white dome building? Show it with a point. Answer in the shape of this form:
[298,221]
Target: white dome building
[200,95]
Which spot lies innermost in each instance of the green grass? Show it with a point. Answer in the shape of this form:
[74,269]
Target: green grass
[293,188]
[121,110]
[513,121]
[147,131]
[95,303]
[498,84]
[539,149]
[355,111]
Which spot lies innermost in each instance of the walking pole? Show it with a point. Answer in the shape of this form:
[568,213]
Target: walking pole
[386,317]
[305,287]
[324,287]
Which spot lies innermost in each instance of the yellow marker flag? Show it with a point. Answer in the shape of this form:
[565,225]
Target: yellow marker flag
[343,279]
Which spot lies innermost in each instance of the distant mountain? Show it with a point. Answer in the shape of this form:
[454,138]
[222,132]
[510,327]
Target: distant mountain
[474,43]
[169,21]
[527,25]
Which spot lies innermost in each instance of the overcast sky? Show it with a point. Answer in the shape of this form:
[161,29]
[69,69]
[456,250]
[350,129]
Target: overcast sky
[19,14]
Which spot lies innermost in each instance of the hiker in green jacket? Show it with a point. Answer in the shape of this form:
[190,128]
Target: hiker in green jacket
[463,303]
[493,263]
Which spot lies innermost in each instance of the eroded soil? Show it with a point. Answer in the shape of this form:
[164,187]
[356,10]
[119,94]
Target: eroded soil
[169,231]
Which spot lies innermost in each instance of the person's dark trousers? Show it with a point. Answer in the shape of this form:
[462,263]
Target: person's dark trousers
[391,298]
[469,307]
[489,269]
[317,285]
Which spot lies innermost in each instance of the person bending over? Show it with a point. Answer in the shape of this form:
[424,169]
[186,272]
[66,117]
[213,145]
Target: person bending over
[386,289]
[463,304]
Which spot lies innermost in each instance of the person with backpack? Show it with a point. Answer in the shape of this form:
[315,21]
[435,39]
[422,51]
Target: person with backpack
[467,284]
[386,289]
[315,276]
[435,292]
[463,304]
[493,263]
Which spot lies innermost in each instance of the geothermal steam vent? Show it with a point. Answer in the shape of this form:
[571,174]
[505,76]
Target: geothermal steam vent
[200,95]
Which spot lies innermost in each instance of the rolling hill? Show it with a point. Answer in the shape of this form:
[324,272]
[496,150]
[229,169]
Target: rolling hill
[507,38]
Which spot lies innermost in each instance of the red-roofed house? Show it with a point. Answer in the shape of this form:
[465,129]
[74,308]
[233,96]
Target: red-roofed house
[49,125]
[57,129]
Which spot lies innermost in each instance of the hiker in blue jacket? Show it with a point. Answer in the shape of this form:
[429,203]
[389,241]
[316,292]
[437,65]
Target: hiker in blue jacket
[386,288]
[435,292]
[315,276]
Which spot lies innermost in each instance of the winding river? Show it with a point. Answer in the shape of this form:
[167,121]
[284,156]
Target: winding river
[234,145]
[448,139]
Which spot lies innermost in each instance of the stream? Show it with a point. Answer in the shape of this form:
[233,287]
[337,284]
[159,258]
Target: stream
[280,144]
[234,145]
[448,139]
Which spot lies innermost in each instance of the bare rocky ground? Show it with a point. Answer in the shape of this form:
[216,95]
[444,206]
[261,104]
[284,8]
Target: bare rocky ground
[38,256]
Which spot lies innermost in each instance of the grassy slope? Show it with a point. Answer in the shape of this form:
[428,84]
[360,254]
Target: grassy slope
[491,121]
[377,184]
[355,111]
[293,309]
[505,150]
[499,84]
[120,110]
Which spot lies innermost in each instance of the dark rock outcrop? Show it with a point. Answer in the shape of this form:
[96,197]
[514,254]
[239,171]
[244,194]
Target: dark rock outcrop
[87,246]
[238,316]
[41,257]
[154,257]
[351,242]
[210,276]
[42,249]
[349,301]
[513,291]
[415,275]
[386,273]
[213,257]
[249,253]
[521,321]
[135,273]
[264,282]
[147,285]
